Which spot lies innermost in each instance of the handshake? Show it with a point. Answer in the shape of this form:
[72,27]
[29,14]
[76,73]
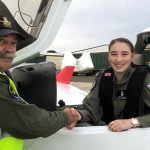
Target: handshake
[73,117]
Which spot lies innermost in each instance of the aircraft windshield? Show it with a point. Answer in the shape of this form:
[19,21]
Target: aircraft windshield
[29,13]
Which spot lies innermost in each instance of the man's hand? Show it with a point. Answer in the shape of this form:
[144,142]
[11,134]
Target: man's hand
[120,125]
[73,117]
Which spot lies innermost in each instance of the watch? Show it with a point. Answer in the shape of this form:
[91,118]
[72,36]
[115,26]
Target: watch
[135,122]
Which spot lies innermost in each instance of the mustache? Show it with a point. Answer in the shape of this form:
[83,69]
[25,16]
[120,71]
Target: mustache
[6,54]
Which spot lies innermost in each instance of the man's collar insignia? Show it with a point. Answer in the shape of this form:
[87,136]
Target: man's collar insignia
[6,22]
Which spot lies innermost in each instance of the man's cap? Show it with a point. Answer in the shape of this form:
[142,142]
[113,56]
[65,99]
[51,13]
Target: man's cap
[8,26]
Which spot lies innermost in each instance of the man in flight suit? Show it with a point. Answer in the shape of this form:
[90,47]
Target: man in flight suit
[17,118]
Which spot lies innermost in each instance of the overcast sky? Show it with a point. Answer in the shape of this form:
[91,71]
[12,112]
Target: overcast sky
[90,23]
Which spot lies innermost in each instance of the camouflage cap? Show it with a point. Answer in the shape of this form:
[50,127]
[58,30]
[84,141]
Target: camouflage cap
[8,27]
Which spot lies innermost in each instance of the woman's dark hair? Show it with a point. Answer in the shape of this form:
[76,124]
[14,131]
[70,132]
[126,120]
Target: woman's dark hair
[124,40]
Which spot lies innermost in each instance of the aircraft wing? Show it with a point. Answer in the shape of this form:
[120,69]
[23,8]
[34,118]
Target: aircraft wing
[69,94]
[66,93]
[93,138]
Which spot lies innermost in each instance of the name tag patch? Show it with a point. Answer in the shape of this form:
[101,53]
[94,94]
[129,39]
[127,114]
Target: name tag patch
[107,74]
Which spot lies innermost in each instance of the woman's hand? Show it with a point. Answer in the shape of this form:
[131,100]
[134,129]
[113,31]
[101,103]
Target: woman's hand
[120,125]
